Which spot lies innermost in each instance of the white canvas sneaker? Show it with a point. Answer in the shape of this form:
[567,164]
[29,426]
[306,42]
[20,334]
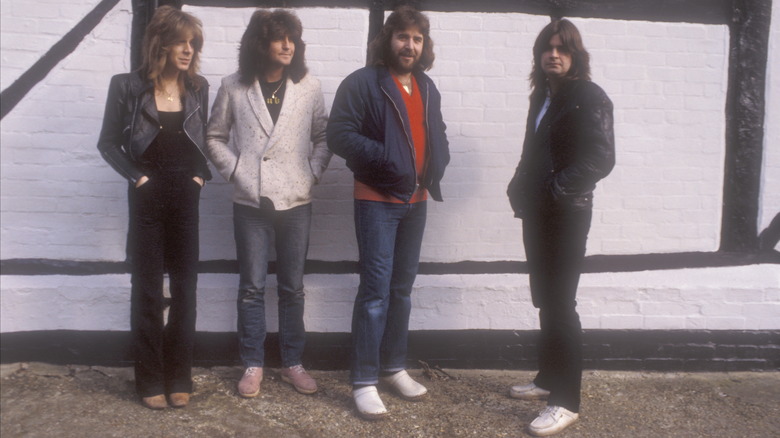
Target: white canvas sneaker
[552,420]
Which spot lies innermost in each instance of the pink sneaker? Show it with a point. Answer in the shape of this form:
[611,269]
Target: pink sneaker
[299,378]
[249,385]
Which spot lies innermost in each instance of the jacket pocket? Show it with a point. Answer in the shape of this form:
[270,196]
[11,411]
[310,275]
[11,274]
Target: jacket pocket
[235,168]
[570,201]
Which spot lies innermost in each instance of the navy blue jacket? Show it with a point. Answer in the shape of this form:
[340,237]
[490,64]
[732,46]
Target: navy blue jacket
[369,127]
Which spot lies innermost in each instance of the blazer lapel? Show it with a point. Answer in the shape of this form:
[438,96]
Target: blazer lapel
[257,102]
[288,103]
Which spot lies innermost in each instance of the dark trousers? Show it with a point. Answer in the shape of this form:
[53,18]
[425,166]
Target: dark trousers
[165,239]
[555,248]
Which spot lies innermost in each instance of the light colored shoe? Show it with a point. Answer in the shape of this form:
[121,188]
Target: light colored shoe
[552,420]
[405,386]
[179,399]
[528,392]
[249,385]
[368,403]
[299,379]
[155,402]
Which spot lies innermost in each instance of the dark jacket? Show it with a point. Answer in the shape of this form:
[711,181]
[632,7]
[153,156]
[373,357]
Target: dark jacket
[369,128]
[573,149]
[131,122]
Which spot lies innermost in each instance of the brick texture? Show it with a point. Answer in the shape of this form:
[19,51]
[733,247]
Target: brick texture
[60,200]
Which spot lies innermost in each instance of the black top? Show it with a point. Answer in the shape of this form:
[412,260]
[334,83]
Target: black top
[273,92]
[172,150]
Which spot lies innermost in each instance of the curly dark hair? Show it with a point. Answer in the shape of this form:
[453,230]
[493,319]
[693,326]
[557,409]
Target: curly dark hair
[264,27]
[402,18]
[572,43]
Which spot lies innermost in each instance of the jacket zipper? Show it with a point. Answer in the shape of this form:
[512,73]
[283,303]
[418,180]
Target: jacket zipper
[184,128]
[406,134]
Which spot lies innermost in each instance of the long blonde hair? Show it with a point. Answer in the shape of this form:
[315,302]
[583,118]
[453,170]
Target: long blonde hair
[166,27]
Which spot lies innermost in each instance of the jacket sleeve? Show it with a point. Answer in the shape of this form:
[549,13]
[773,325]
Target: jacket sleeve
[595,148]
[320,155]
[218,134]
[435,171]
[345,134]
[115,132]
[203,101]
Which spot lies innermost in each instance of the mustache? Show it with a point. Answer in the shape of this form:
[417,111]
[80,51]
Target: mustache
[406,52]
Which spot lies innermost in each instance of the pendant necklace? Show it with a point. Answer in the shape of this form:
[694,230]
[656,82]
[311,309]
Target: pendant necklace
[273,100]
[167,94]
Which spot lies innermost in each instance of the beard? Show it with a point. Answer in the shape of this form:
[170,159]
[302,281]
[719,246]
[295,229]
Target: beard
[402,67]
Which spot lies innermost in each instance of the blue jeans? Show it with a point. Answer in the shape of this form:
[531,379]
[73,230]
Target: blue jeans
[255,230]
[389,237]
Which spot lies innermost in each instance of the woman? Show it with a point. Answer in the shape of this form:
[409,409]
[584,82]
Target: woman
[276,115]
[153,135]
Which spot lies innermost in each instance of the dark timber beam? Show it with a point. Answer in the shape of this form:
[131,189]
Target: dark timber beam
[745,103]
[15,92]
[691,11]
[364,4]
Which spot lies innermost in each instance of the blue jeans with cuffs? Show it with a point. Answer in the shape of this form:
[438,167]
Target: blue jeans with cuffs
[255,231]
[389,238]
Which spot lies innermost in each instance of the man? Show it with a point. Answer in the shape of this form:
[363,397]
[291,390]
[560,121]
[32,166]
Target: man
[276,115]
[569,146]
[386,122]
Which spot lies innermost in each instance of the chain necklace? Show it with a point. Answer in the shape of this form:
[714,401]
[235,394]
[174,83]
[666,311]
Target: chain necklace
[169,96]
[273,100]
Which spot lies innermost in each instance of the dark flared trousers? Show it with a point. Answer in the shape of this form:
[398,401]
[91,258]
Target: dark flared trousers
[165,239]
[555,248]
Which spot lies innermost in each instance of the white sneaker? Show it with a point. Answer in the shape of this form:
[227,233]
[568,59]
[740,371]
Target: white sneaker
[405,386]
[528,392]
[369,405]
[552,420]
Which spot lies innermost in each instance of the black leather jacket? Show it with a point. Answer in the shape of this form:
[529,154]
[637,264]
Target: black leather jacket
[131,122]
[573,148]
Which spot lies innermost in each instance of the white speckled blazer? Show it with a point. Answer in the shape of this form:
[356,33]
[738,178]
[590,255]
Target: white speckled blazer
[280,162]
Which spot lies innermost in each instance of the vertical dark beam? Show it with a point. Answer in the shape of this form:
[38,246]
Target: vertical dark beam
[745,101]
[376,19]
[142,13]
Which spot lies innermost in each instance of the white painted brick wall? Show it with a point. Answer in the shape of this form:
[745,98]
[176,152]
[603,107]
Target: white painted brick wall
[668,82]
[739,298]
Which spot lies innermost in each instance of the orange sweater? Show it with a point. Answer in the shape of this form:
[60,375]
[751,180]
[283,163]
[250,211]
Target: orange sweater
[416,112]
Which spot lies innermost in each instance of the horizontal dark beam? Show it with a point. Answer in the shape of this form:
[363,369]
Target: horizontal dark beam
[691,11]
[280,3]
[593,264]
[651,350]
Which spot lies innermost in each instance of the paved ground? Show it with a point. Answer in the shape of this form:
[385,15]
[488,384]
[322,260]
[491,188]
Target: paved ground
[40,400]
